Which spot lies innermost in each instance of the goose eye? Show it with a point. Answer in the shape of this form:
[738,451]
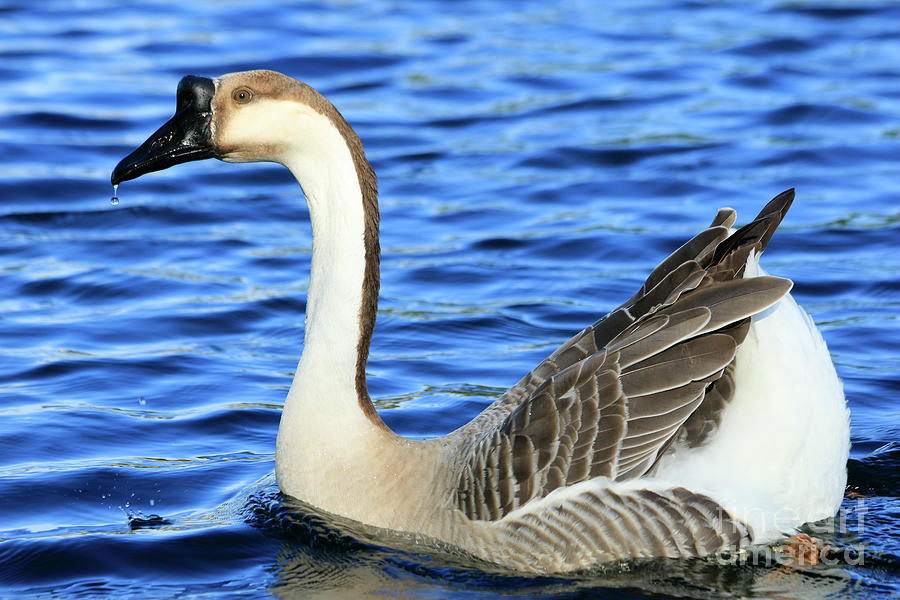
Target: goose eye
[242,95]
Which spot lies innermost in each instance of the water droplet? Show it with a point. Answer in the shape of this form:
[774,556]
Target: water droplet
[115,197]
[152,502]
[142,401]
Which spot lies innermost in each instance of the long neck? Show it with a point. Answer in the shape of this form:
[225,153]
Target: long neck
[328,394]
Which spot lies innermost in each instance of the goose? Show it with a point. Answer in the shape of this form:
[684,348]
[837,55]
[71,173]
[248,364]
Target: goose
[700,417]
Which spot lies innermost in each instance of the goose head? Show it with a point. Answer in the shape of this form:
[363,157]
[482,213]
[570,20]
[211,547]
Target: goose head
[264,116]
[252,116]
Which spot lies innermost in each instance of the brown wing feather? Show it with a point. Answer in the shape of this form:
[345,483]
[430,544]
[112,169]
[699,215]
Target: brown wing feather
[612,399]
[602,525]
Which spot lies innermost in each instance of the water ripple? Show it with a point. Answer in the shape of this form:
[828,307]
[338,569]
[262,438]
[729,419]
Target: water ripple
[534,164]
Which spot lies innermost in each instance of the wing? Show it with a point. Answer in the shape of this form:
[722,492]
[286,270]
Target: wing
[612,398]
[595,523]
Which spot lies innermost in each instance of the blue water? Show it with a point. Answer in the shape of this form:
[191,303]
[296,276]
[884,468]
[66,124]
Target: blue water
[536,160]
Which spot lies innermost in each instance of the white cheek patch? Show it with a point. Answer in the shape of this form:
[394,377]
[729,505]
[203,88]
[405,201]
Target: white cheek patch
[265,130]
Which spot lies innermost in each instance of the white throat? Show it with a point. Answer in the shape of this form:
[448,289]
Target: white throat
[323,422]
[333,195]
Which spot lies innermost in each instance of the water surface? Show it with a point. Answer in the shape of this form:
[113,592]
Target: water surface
[536,160]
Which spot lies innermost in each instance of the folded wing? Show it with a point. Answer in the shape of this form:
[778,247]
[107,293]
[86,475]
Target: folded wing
[612,399]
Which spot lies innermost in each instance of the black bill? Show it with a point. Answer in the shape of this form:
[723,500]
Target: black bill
[184,138]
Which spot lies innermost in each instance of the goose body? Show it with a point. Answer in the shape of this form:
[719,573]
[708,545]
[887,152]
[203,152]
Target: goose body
[702,415]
